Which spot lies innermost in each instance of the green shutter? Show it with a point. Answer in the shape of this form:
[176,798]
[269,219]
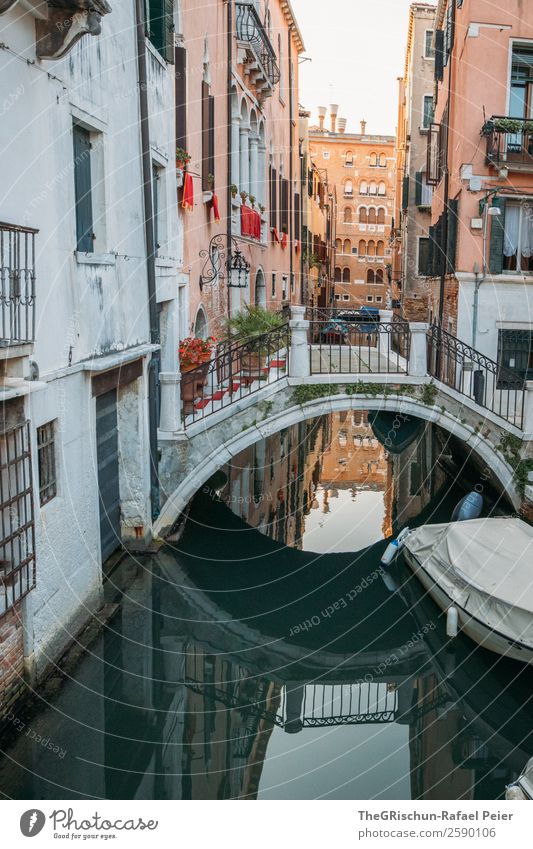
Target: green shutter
[439,55]
[405,193]
[168,31]
[497,232]
[161,27]
[431,252]
[82,189]
[451,251]
[418,189]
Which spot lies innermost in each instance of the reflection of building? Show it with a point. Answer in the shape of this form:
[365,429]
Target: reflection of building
[417,475]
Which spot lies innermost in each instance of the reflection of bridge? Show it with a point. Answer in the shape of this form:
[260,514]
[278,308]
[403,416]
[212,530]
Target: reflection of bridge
[308,369]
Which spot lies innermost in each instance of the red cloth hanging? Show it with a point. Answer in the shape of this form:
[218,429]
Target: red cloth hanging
[250,222]
[215,208]
[188,192]
[284,240]
[297,246]
[275,234]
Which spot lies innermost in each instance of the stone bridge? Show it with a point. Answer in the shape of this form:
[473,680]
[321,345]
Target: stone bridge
[193,448]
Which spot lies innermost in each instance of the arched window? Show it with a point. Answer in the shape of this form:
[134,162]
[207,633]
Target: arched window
[373,160]
[362,248]
[381,215]
[371,248]
[349,159]
[363,188]
[347,246]
[379,275]
[372,215]
[200,324]
[363,215]
[346,275]
[380,251]
[370,276]
[338,275]
[382,160]
[373,188]
[348,188]
[382,188]
[338,245]
[347,215]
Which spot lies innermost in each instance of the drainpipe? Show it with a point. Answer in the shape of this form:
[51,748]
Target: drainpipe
[447,175]
[155,363]
[229,144]
[291,169]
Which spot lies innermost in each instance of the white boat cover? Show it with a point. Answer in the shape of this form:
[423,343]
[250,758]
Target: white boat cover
[486,567]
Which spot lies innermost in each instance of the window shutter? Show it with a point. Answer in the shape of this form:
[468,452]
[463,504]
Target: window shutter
[297,234]
[273,197]
[212,136]
[497,232]
[437,261]
[439,55]
[168,30]
[451,251]
[418,188]
[206,136]
[180,74]
[285,206]
[82,189]
[431,252]
[405,193]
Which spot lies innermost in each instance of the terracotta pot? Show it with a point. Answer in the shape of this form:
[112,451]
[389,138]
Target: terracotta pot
[253,364]
[194,378]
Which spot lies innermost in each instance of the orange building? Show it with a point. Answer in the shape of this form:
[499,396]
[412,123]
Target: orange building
[361,167]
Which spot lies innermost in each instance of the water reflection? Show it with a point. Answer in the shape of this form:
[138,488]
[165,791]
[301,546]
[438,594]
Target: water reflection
[237,667]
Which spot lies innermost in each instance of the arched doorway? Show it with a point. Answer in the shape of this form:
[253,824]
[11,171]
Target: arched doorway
[260,289]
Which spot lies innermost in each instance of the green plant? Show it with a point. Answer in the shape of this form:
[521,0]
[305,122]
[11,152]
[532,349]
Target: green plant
[262,208]
[211,180]
[252,200]
[252,322]
[244,195]
[302,394]
[428,394]
[314,261]
[511,448]
[372,389]
[234,190]
[182,157]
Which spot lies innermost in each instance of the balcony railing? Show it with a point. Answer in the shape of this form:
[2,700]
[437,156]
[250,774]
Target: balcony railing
[251,30]
[17,284]
[509,142]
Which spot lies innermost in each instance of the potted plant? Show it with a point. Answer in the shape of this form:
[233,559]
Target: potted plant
[249,328]
[244,195]
[252,201]
[262,209]
[182,158]
[234,190]
[211,181]
[194,356]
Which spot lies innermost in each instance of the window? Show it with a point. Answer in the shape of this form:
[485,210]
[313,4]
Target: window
[427,112]
[345,297]
[381,215]
[424,193]
[337,297]
[273,290]
[429,50]
[273,197]
[348,162]
[338,246]
[338,275]
[517,236]
[370,277]
[520,102]
[326,154]
[83,190]
[347,246]
[379,299]
[373,188]
[372,217]
[515,352]
[382,191]
[379,276]
[380,249]
[371,248]
[208,137]
[373,160]
[362,248]
[363,215]
[370,299]
[348,188]
[423,257]
[284,282]
[346,275]
[159,207]
[46,459]
[347,215]
[382,160]
[159,19]
[293,282]
[363,188]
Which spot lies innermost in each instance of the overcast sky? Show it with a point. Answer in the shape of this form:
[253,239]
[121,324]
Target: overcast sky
[358,50]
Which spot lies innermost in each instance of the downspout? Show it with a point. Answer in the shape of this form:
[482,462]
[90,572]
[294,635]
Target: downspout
[229,143]
[155,363]
[291,149]
[447,175]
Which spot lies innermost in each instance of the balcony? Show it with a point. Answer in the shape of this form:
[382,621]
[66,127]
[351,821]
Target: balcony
[260,60]
[509,143]
[17,285]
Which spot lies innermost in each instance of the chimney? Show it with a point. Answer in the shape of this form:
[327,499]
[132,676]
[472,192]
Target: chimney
[334,111]
[363,127]
[321,116]
[341,124]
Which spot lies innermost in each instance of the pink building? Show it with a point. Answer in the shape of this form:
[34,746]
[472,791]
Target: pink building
[481,166]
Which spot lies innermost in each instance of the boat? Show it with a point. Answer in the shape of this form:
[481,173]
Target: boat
[480,572]
[522,789]
[469,507]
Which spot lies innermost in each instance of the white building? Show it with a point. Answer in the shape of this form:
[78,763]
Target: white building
[89,304]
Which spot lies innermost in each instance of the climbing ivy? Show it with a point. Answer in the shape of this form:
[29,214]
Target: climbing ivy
[428,394]
[511,447]
[302,394]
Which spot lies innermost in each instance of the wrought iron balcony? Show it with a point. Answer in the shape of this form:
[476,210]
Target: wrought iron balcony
[509,142]
[251,31]
[17,284]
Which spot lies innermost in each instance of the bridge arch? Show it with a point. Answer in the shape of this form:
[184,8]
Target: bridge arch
[189,466]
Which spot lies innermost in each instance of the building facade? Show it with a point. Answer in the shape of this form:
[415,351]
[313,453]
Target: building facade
[480,163]
[412,215]
[362,168]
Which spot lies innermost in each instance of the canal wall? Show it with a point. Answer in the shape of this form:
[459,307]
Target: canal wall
[11,659]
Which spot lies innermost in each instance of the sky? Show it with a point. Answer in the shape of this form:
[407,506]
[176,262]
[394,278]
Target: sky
[358,52]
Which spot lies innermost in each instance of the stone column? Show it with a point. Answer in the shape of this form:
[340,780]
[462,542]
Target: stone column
[254,166]
[299,365]
[244,183]
[170,416]
[235,150]
[528,408]
[417,366]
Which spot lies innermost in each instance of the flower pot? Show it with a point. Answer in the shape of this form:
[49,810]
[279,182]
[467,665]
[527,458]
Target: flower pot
[254,365]
[193,381]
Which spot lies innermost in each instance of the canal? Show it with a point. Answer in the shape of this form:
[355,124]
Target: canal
[263,653]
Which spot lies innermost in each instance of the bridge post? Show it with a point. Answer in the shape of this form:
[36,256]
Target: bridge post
[299,364]
[528,408]
[418,361]
[170,389]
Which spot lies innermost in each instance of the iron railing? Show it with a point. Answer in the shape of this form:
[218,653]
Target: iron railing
[251,30]
[509,142]
[486,382]
[17,531]
[342,345]
[236,371]
[17,284]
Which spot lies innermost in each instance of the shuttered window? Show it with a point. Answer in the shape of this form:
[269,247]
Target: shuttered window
[273,197]
[423,256]
[284,184]
[439,55]
[208,136]
[297,234]
[405,193]
[181,96]
[451,250]
[497,236]
[160,26]
[83,190]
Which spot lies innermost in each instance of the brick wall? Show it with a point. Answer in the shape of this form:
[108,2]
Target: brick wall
[11,658]
[416,309]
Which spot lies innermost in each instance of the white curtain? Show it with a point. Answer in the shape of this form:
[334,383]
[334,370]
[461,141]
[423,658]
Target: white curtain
[512,230]
[527,233]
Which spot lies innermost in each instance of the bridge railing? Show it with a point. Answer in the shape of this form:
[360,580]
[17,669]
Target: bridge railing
[352,344]
[236,371]
[472,374]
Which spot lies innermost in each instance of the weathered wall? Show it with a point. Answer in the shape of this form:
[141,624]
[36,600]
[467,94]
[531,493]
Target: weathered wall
[11,659]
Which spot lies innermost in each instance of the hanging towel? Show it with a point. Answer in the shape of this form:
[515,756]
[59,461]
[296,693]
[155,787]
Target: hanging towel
[188,192]
[215,208]
[297,246]
[275,234]
[284,240]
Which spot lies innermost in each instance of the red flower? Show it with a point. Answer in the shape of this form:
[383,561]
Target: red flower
[193,352]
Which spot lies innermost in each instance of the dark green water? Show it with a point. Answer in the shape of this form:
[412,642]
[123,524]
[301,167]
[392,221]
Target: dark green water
[263,655]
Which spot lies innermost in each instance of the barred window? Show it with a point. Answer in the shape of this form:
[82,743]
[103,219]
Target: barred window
[46,459]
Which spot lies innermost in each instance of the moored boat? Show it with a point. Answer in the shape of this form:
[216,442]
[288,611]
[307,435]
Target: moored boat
[481,571]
